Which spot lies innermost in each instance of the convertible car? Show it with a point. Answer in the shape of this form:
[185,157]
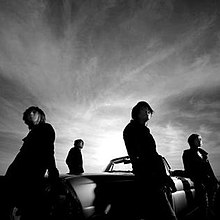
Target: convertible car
[109,195]
[183,198]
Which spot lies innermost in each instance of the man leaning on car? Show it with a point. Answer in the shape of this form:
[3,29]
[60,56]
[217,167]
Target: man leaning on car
[148,167]
[25,175]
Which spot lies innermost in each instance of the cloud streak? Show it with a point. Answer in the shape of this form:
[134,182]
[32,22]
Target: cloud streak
[86,63]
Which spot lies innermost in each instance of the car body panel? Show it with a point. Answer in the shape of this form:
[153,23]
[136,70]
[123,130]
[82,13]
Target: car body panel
[111,194]
[184,201]
[84,188]
[97,193]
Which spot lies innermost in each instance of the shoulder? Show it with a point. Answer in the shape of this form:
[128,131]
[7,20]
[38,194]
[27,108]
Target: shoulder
[46,129]
[72,149]
[186,152]
[46,126]
[129,126]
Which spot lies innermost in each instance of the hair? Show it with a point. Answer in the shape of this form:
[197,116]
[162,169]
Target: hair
[136,109]
[192,138]
[77,141]
[34,109]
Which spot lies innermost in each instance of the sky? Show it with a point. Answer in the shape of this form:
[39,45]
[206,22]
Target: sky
[86,63]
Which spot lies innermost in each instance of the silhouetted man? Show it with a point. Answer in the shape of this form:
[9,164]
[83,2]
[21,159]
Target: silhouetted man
[198,168]
[74,158]
[25,175]
[148,167]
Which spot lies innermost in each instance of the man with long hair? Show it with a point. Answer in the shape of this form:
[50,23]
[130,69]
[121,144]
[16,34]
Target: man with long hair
[25,175]
[151,178]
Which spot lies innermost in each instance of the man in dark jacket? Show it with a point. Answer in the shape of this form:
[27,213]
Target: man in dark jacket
[25,175]
[198,168]
[151,178]
[74,158]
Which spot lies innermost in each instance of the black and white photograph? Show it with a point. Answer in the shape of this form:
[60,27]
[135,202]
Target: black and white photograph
[109,109]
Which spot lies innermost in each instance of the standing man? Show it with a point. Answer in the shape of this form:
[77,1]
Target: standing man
[74,158]
[25,175]
[198,168]
[151,179]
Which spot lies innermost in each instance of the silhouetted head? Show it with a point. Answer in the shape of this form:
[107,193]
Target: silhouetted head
[195,141]
[33,116]
[79,143]
[141,112]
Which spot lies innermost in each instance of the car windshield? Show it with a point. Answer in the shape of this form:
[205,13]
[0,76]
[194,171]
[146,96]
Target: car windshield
[122,167]
[123,164]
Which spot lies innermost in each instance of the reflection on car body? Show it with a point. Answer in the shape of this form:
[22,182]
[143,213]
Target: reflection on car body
[111,194]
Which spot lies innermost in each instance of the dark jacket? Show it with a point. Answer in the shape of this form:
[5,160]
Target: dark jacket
[74,161]
[141,148]
[36,155]
[198,168]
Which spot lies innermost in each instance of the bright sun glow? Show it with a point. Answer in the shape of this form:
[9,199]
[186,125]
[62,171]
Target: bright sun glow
[109,147]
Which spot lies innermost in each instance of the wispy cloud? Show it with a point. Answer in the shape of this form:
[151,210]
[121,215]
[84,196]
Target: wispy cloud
[86,63]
